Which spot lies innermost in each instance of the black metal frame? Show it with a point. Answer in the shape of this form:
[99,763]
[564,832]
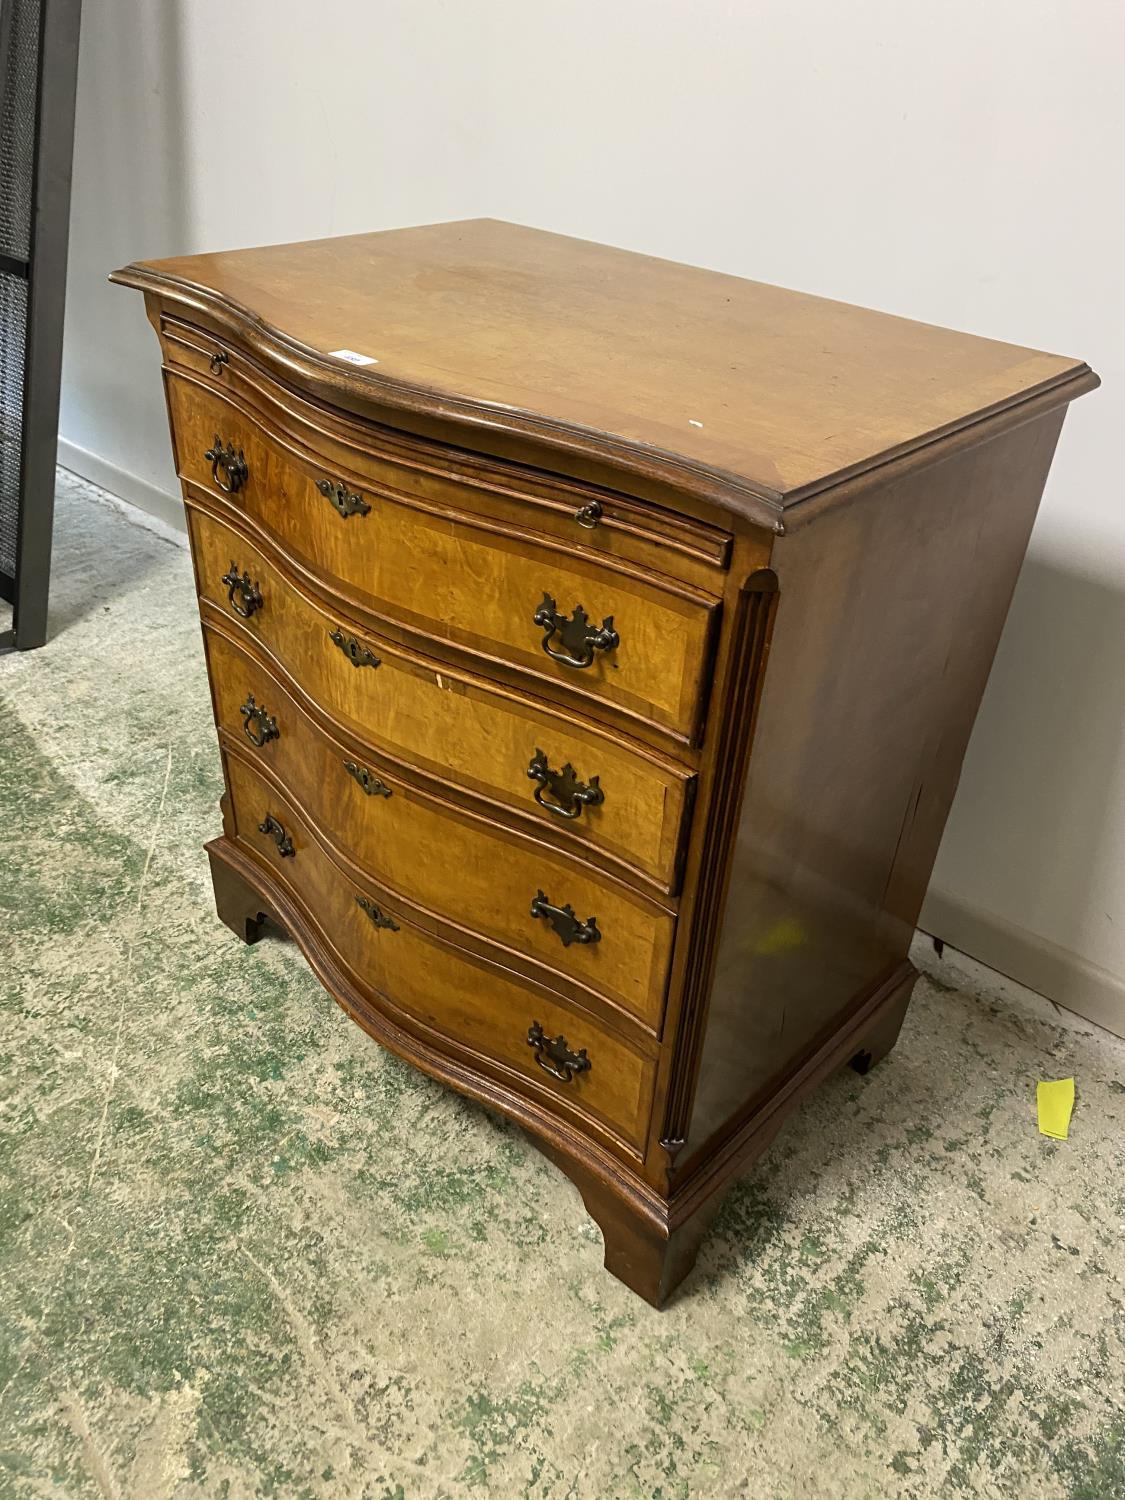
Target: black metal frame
[45,273]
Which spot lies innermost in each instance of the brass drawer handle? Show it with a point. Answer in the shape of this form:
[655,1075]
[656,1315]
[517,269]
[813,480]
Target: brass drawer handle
[367,779]
[231,465]
[260,727]
[565,922]
[358,654]
[589,515]
[579,638]
[270,825]
[569,794]
[559,1060]
[346,504]
[218,360]
[379,918]
[249,593]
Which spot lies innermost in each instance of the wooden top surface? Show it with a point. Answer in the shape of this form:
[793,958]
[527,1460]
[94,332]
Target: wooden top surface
[512,327]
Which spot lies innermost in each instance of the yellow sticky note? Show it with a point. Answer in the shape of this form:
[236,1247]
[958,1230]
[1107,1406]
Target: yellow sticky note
[1055,1102]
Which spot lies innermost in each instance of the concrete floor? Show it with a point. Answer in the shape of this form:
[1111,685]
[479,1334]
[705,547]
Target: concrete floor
[245,1253]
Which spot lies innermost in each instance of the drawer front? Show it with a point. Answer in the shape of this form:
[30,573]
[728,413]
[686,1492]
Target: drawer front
[476,876]
[625,804]
[501,592]
[470,1003]
[596,521]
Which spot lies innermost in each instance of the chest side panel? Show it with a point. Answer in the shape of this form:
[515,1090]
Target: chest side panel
[890,610]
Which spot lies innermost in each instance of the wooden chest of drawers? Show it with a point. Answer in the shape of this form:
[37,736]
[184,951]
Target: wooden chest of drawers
[494,534]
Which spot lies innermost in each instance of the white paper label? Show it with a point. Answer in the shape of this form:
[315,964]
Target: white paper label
[352,357]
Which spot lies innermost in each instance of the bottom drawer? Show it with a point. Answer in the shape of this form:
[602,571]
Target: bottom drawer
[581,1067]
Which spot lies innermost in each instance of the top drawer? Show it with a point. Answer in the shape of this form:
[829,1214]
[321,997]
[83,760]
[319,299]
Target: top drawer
[589,519]
[639,645]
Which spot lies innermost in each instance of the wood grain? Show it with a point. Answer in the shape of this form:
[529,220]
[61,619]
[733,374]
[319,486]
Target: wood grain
[456,579]
[779,390]
[473,1006]
[473,873]
[652,537]
[863,729]
[444,721]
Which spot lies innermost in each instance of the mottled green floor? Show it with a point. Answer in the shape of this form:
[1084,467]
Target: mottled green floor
[245,1253]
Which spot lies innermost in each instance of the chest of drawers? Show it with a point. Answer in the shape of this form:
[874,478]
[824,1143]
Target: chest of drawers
[594,643]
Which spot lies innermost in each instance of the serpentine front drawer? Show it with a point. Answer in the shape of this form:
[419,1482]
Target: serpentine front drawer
[589,520]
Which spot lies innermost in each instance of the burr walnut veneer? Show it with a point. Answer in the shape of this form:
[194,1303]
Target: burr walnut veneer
[594,643]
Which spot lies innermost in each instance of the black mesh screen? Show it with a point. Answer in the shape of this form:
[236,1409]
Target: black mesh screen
[19,57]
[13,325]
[19,70]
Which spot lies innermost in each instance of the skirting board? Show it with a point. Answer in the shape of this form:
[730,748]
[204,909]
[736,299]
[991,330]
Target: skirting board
[139,492]
[1059,974]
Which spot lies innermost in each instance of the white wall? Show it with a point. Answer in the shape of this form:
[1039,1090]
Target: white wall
[958,163]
